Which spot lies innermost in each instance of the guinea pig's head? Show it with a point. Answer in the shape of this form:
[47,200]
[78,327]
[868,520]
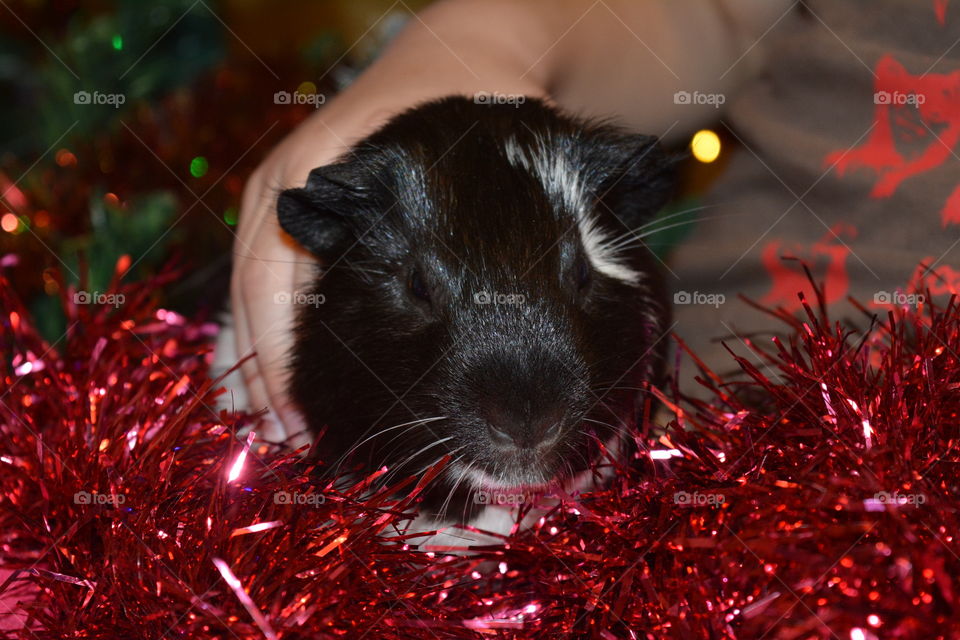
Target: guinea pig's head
[483,292]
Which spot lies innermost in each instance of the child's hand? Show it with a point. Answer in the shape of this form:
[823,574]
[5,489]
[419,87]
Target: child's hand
[267,264]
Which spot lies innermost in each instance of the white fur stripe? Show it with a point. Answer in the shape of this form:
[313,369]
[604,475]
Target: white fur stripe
[563,182]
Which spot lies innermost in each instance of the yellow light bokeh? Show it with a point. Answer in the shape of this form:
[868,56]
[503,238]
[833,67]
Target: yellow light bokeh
[705,145]
[307,88]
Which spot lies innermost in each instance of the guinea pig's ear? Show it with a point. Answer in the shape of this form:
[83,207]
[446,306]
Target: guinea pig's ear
[318,215]
[643,179]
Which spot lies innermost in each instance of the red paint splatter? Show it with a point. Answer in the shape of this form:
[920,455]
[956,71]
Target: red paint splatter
[788,278]
[940,8]
[951,210]
[910,109]
[942,280]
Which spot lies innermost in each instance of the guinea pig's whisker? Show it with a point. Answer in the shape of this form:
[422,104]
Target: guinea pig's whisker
[413,456]
[655,222]
[442,511]
[410,428]
[578,452]
[618,388]
[608,383]
[466,476]
[569,472]
[623,430]
[635,239]
[390,454]
[364,272]
[619,436]
[676,214]
[587,462]
[597,439]
[446,503]
[410,425]
[630,240]
[601,422]
[632,237]
[401,465]
[453,462]
[356,266]
[439,458]
[600,401]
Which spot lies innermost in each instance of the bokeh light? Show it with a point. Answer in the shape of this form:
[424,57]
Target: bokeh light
[65,158]
[705,145]
[9,222]
[12,223]
[199,166]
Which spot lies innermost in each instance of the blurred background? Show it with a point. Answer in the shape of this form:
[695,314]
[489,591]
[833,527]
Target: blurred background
[127,129]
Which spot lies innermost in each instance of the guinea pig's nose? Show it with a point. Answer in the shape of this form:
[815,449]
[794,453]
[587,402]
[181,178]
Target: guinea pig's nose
[508,429]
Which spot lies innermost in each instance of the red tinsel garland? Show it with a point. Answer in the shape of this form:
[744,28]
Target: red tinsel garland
[828,509]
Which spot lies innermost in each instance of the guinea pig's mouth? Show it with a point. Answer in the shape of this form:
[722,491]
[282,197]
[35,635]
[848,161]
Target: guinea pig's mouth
[529,473]
[525,482]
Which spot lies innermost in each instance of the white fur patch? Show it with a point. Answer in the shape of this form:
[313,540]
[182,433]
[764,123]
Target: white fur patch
[563,182]
[451,538]
[500,520]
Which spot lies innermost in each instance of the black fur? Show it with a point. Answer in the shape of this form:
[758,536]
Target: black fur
[422,217]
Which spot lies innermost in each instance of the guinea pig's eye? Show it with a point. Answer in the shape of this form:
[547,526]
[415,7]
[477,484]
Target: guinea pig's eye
[417,286]
[583,274]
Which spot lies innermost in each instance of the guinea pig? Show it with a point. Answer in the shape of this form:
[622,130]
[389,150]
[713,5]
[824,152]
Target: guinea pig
[487,296]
